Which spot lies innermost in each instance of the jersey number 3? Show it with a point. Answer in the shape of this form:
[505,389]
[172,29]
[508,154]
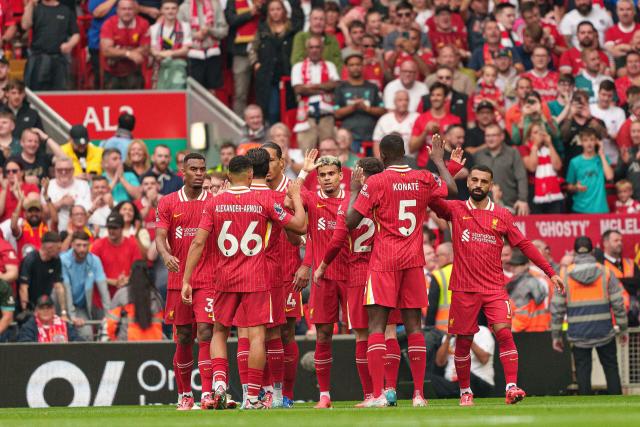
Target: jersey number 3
[225,238]
[404,215]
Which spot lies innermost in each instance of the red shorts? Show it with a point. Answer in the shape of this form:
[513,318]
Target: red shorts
[243,309]
[397,289]
[327,297]
[200,311]
[465,307]
[293,309]
[279,303]
[357,312]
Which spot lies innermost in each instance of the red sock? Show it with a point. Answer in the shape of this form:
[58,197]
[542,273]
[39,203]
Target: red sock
[204,365]
[275,359]
[391,363]
[220,367]
[291,354]
[243,359]
[376,349]
[266,376]
[184,362]
[323,361]
[508,355]
[253,385]
[462,360]
[176,373]
[363,367]
[417,360]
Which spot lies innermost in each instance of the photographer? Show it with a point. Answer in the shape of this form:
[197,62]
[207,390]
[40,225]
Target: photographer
[532,113]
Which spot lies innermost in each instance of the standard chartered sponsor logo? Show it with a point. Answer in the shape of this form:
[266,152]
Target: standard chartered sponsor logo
[178,232]
[322,224]
[465,235]
[468,236]
[185,232]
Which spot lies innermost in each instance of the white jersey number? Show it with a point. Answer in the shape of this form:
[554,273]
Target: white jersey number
[357,245]
[249,236]
[403,215]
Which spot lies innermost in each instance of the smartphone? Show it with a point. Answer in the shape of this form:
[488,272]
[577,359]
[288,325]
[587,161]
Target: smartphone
[405,34]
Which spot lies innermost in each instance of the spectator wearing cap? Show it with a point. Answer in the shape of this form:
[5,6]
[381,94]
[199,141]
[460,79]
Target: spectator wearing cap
[65,191]
[508,170]
[507,76]
[124,43]
[456,102]
[30,230]
[45,326]
[474,137]
[486,54]
[592,305]
[117,253]
[54,35]
[358,102]
[13,189]
[587,175]
[87,158]
[41,274]
[406,82]
[124,185]
[123,136]
[590,76]
[436,119]
[530,294]
[444,33]
[314,80]
[587,37]
[168,179]
[398,120]
[82,272]
[26,117]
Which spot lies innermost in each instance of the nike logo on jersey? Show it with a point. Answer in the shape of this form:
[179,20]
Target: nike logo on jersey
[320,206]
[466,217]
[177,215]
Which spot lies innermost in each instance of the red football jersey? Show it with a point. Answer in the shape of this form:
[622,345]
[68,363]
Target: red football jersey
[617,35]
[439,40]
[477,236]
[397,200]
[546,85]
[289,254]
[180,217]
[322,212]
[573,58]
[421,122]
[240,222]
[360,243]
[148,222]
[272,251]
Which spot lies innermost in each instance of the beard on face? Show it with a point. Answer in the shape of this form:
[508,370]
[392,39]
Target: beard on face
[585,9]
[478,195]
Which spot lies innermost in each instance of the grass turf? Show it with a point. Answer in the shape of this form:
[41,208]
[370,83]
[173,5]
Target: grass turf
[601,411]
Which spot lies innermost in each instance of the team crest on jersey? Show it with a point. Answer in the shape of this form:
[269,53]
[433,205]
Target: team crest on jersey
[281,213]
[494,223]
[437,179]
[171,315]
[363,191]
[451,321]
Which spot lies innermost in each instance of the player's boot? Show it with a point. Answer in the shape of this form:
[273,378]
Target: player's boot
[278,400]
[418,400]
[287,403]
[392,398]
[186,404]
[466,399]
[219,398]
[324,403]
[363,404]
[514,395]
[248,405]
[206,401]
[377,402]
[267,399]
[231,404]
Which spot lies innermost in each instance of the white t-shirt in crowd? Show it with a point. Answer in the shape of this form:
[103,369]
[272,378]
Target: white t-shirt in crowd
[315,71]
[388,123]
[484,340]
[169,33]
[80,192]
[598,17]
[417,91]
[99,219]
[613,117]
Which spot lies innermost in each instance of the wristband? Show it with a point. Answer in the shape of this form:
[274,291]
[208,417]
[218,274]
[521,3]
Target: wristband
[63,312]
[303,175]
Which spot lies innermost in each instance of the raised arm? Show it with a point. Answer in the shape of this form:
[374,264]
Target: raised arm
[437,155]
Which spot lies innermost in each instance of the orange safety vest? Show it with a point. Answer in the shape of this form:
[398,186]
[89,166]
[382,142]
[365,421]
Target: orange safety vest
[443,276]
[134,331]
[627,271]
[533,317]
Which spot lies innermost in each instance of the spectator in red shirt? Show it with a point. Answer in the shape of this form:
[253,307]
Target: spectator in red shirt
[124,43]
[625,204]
[551,39]
[411,50]
[7,21]
[456,19]
[437,119]
[571,60]
[117,253]
[617,39]
[632,78]
[28,231]
[543,80]
[12,187]
[148,203]
[444,34]
[9,262]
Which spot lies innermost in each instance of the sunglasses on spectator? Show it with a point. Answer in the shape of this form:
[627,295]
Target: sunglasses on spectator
[64,170]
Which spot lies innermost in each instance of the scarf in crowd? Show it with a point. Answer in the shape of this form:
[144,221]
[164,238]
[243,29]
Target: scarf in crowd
[53,333]
[546,183]
[209,21]
[508,38]
[30,239]
[172,41]
[247,31]
[302,114]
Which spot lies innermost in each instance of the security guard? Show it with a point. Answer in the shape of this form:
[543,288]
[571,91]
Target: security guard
[593,295]
[529,294]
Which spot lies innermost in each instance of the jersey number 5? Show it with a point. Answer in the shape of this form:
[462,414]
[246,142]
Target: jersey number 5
[404,215]
[249,236]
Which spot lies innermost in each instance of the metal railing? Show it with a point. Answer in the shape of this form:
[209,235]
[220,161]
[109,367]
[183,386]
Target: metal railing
[54,124]
[629,360]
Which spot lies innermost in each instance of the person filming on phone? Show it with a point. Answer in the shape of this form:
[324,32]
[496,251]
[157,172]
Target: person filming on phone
[579,118]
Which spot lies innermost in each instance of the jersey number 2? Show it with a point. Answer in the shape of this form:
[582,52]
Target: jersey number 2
[403,215]
[358,244]
[249,236]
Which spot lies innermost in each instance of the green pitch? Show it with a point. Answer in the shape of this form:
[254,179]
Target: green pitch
[601,411]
